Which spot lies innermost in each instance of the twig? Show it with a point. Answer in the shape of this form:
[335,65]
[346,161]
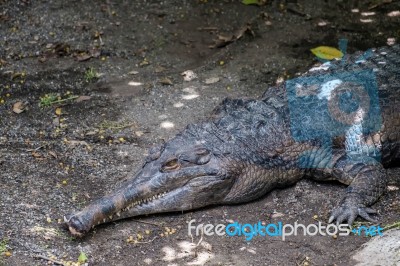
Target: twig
[201,238]
[64,100]
[50,259]
[36,149]
[207,28]
[198,243]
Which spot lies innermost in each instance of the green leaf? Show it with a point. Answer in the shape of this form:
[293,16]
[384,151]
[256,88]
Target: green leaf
[326,52]
[250,2]
[82,257]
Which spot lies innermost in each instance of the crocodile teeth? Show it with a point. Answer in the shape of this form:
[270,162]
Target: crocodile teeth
[104,220]
[110,217]
[118,214]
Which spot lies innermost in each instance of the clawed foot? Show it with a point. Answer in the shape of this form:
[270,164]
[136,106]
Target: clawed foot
[349,213]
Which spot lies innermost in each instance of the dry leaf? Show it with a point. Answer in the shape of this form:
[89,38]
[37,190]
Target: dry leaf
[277,215]
[18,107]
[225,40]
[52,153]
[36,154]
[58,111]
[166,81]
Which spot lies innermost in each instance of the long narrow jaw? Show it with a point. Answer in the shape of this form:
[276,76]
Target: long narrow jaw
[148,198]
[98,213]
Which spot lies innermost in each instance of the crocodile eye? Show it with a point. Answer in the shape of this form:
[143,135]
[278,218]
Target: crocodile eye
[170,165]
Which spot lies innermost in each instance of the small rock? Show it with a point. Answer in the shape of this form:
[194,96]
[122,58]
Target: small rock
[189,75]
[211,80]
[18,107]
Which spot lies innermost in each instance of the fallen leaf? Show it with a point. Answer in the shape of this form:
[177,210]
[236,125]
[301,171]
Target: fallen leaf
[17,75]
[58,111]
[166,81]
[36,154]
[277,215]
[144,62]
[225,40]
[211,80]
[52,153]
[83,57]
[18,107]
[82,257]
[250,2]
[327,52]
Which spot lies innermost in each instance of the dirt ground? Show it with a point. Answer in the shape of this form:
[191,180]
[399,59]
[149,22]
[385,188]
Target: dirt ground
[126,58]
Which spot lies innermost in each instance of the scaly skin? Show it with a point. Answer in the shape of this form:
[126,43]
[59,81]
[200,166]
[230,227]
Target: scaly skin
[247,148]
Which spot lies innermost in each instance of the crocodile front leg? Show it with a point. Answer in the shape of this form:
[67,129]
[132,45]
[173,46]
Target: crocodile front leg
[367,182]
